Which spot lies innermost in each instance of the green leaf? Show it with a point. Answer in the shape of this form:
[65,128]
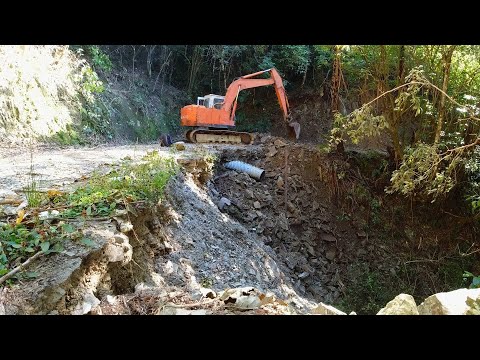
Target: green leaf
[14,244]
[56,248]
[89,211]
[88,242]
[3,271]
[68,228]
[29,249]
[45,246]
[475,282]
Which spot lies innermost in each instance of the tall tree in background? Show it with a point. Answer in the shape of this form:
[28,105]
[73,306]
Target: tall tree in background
[446,65]
[336,77]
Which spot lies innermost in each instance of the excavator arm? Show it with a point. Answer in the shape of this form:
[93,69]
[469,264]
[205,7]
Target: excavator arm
[247,82]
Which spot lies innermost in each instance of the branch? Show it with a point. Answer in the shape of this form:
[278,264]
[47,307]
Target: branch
[476,142]
[427,83]
[191,305]
[20,267]
[10,202]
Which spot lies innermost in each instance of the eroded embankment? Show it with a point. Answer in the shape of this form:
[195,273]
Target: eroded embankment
[216,229]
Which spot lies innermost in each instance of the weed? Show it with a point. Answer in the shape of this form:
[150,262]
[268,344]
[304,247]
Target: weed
[206,282]
[127,183]
[368,291]
[343,217]
[17,243]
[205,154]
[99,58]
[67,137]
[31,190]
[324,148]
[474,280]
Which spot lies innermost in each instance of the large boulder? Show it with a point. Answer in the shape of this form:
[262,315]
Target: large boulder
[449,303]
[403,304]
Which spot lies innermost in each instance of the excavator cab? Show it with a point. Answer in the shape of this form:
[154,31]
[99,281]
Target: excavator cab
[211,101]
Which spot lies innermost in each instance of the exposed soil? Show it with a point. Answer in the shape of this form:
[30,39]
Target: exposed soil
[218,229]
[294,211]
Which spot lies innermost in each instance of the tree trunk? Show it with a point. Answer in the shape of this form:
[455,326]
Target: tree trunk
[388,103]
[401,66]
[446,62]
[335,79]
[194,67]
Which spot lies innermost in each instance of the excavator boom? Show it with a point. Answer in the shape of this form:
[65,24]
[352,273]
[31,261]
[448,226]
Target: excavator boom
[224,116]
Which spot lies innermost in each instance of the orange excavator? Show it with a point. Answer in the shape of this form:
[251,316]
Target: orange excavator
[213,114]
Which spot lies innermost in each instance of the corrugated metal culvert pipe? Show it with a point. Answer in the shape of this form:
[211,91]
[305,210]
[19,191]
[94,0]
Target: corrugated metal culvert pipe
[251,170]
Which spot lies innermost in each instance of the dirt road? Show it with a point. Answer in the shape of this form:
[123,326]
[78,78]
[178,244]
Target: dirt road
[54,167]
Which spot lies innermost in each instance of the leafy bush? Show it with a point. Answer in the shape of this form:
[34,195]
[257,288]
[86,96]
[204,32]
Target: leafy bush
[99,58]
[474,280]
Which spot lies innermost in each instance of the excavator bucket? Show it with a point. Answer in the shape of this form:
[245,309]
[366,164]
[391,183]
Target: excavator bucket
[293,129]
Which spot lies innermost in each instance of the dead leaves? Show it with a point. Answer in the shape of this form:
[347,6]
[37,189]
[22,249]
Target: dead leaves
[20,216]
[53,193]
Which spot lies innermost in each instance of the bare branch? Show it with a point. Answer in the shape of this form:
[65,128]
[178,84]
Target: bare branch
[20,267]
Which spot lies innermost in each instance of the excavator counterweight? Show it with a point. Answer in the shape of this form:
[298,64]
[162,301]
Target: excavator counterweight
[215,114]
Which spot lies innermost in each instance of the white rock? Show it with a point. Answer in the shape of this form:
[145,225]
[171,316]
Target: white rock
[9,210]
[178,311]
[208,293]
[111,299]
[403,304]
[448,303]
[119,249]
[243,298]
[9,195]
[126,226]
[303,275]
[44,215]
[323,309]
[223,201]
[170,267]
[89,302]
[248,302]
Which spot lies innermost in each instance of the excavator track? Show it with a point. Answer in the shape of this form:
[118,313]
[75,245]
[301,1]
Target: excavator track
[219,136]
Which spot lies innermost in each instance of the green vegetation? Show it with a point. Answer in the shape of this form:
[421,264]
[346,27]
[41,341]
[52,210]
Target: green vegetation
[101,196]
[258,124]
[474,280]
[128,183]
[369,290]
[99,58]
[18,243]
